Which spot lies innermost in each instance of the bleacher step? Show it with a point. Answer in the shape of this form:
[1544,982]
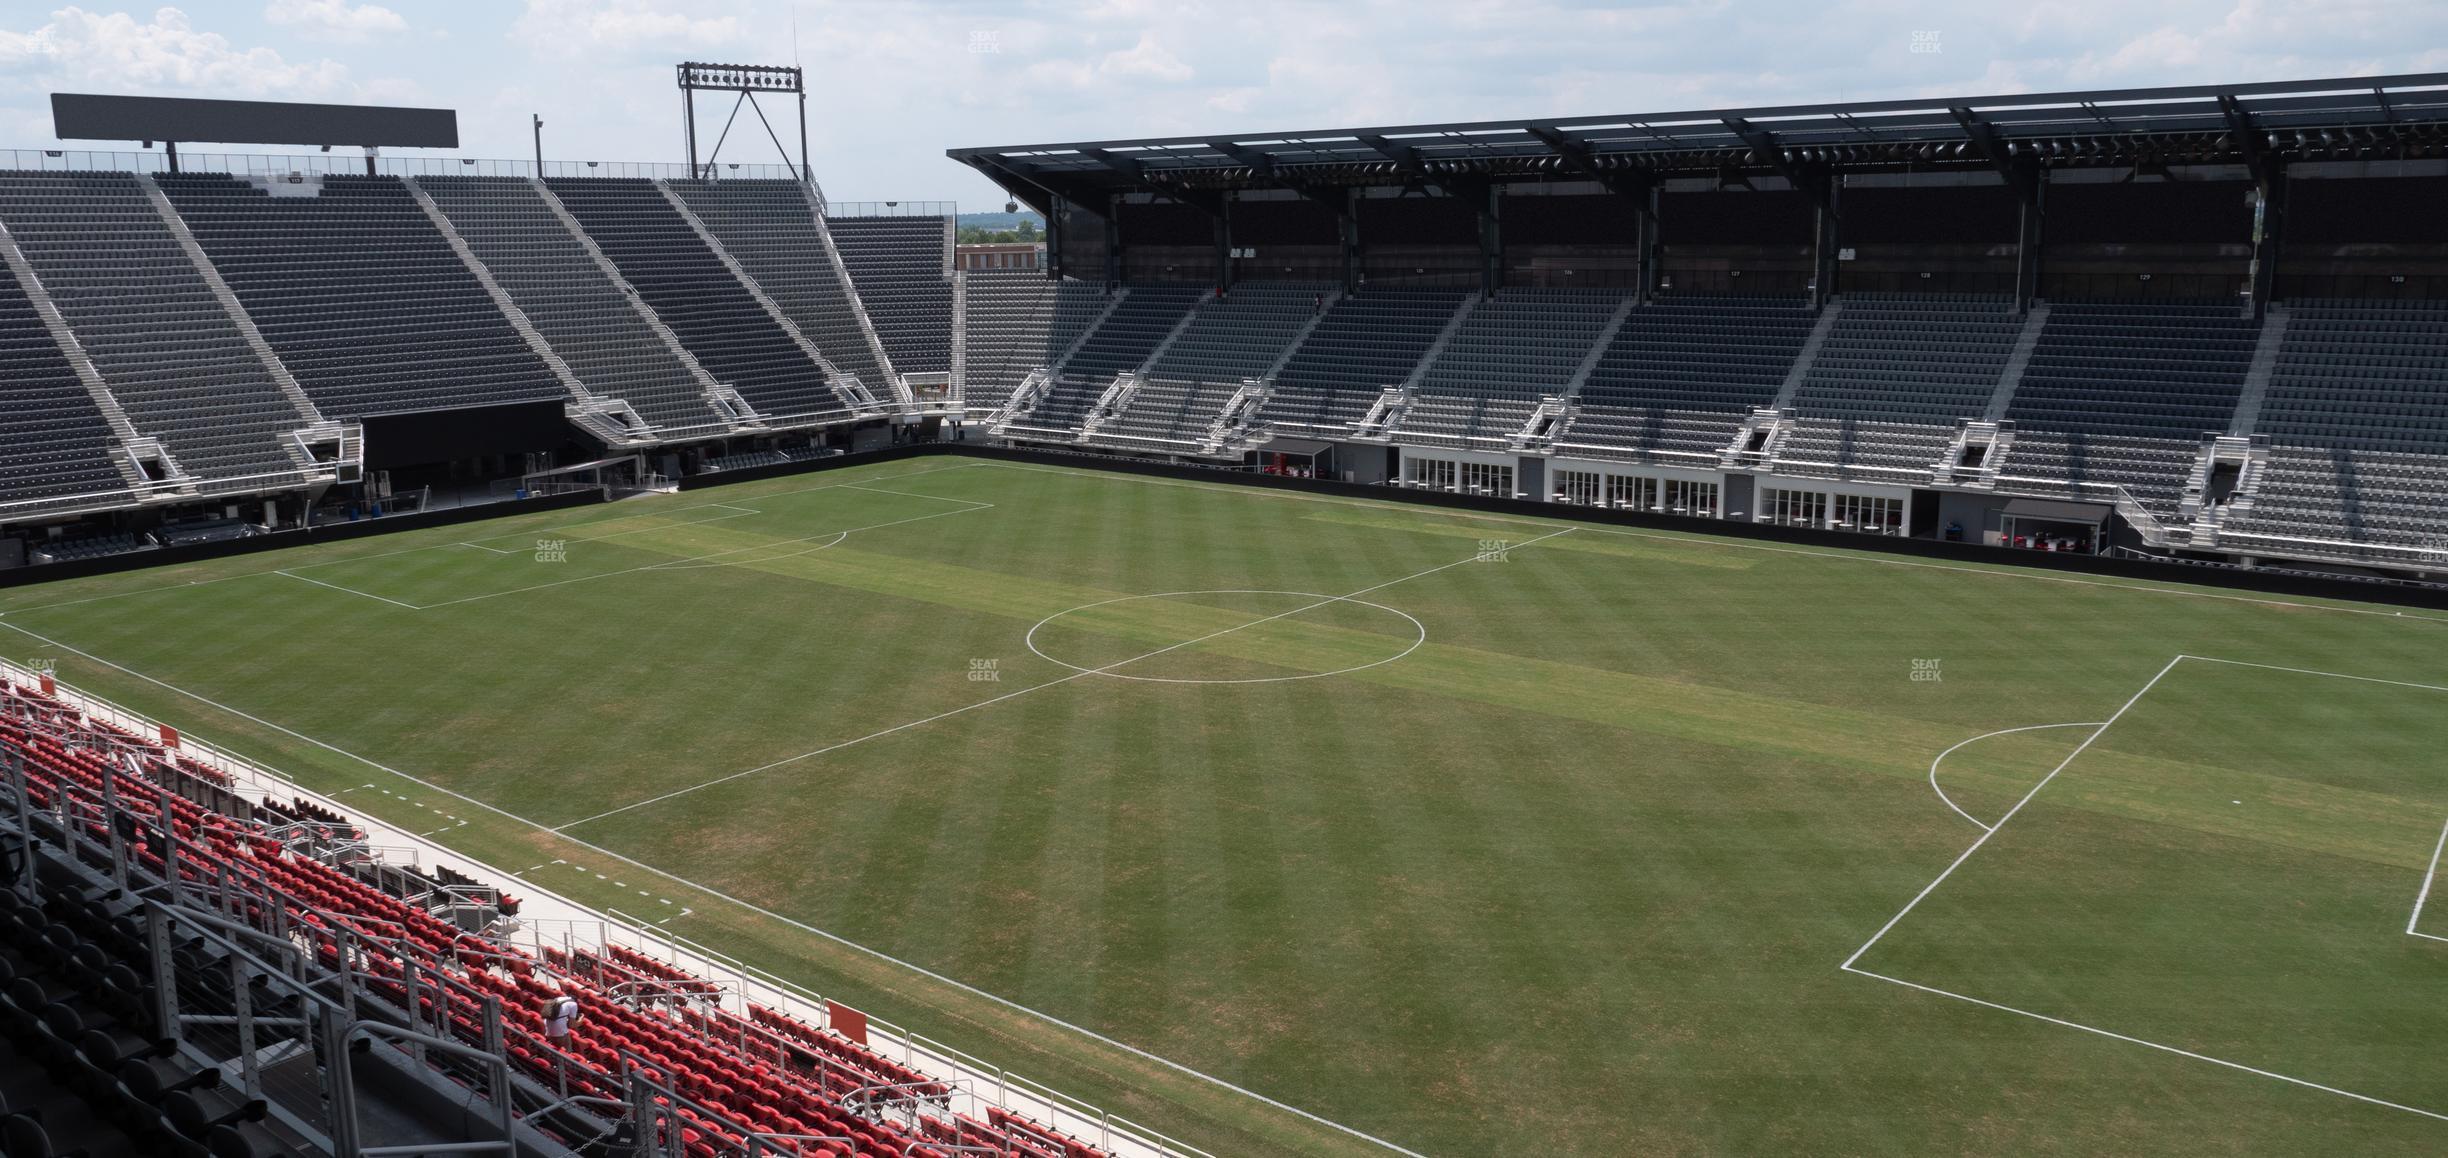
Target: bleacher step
[834,378]
[858,309]
[2011,378]
[1809,353]
[721,397]
[2266,347]
[1113,301]
[290,387]
[586,408]
[87,375]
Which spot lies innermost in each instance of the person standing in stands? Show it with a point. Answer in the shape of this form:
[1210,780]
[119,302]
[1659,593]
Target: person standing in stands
[560,1013]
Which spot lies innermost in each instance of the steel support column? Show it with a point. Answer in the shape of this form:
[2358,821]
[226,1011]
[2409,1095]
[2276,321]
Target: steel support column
[1491,238]
[1648,257]
[1347,231]
[2269,235]
[1223,245]
[1827,238]
[1053,237]
[2030,239]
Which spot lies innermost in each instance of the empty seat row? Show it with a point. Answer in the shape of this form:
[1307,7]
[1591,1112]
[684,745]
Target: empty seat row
[901,269]
[771,228]
[361,296]
[2361,377]
[1681,373]
[2346,502]
[1510,350]
[1015,321]
[1366,341]
[690,289]
[1241,335]
[1129,334]
[172,356]
[54,443]
[581,311]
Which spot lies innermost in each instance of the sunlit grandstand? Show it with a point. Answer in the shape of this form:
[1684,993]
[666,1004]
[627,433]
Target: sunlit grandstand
[1900,626]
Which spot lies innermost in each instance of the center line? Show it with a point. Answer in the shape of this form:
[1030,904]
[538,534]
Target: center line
[1036,687]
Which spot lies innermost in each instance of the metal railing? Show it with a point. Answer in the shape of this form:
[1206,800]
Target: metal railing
[227,885]
[2153,530]
[242,973]
[354,164]
[892,209]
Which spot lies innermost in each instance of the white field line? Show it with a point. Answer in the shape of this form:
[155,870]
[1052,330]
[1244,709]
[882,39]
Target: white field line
[736,514]
[564,532]
[482,547]
[768,914]
[1933,777]
[1056,682]
[887,479]
[913,495]
[1706,540]
[210,582]
[835,541]
[293,567]
[669,564]
[1991,830]
[350,590]
[2425,895]
[2366,1098]
[308,566]
[681,564]
[2335,675]
[2430,874]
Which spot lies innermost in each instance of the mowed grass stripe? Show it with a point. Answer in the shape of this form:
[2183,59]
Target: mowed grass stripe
[1300,645]
[1336,859]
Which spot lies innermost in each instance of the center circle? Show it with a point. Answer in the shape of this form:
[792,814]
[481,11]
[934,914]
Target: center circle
[1312,601]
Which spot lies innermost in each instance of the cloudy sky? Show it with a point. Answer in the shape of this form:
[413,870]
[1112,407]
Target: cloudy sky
[895,82]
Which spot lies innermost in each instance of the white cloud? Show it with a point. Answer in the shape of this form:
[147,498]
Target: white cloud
[87,49]
[1148,60]
[892,83]
[334,19]
[569,27]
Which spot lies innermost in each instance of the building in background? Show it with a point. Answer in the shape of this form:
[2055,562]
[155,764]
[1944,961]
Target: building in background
[1000,255]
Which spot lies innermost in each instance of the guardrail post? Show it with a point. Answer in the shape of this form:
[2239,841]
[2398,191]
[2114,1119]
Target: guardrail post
[498,1071]
[341,1109]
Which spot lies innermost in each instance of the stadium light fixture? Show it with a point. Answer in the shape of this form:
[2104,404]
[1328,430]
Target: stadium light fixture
[747,80]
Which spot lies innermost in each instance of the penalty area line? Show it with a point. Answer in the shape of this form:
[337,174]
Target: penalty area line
[1849,966]
[759,910]
[2429,875]
[1992,830]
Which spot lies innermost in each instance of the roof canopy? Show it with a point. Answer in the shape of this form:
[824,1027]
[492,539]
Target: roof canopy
[2365,117]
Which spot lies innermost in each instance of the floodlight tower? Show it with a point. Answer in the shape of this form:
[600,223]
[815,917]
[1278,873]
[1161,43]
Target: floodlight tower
[746,80]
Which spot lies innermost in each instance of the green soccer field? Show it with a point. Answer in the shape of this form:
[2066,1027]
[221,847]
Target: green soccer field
[1473,834]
